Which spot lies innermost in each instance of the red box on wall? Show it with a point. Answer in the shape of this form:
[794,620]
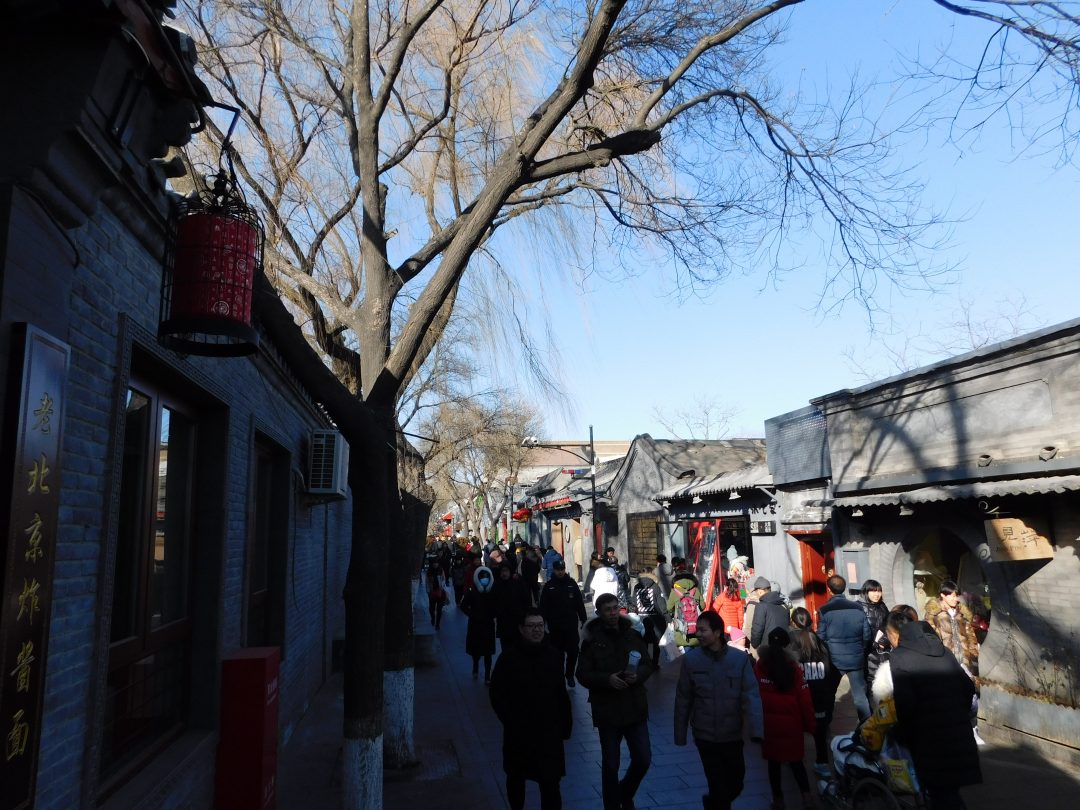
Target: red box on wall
[246,775]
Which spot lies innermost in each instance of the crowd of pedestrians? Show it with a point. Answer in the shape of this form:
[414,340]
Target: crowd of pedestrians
[749,666]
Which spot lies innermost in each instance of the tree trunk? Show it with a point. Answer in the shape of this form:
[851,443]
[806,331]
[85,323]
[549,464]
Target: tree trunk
[373,478]
[398,704]
[406,552]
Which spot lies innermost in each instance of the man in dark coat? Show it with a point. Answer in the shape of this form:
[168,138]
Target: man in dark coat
[530,700]
[933,707]
[613,667]
[563,609]
[842,625]
[769,613]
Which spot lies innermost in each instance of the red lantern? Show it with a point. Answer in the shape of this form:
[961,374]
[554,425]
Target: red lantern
[207,287]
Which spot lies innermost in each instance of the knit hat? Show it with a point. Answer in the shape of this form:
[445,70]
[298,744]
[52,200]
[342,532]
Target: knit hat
[762,583]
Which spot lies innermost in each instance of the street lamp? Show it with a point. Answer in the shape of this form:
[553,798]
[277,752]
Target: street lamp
[533,441]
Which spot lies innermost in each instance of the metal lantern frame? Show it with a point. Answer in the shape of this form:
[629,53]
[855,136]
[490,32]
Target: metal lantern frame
[213,257]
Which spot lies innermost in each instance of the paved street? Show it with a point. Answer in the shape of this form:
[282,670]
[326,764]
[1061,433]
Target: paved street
[459,743]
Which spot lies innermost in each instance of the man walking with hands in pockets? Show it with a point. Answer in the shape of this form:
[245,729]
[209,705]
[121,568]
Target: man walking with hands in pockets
[613,667]
[717,689]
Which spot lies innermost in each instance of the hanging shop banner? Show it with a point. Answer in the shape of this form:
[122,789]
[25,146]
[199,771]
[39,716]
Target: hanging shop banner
[1017,539]
[763,527]
[554,504]
[29,558]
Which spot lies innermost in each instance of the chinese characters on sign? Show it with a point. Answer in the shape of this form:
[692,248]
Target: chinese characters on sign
[28,549]
[1017,539]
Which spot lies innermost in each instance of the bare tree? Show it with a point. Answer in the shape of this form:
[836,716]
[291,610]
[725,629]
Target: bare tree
[705,417]
[394,145]
[968,327]
[476,453]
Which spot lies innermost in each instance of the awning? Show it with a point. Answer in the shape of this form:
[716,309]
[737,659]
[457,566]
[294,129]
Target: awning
[957,492]
[753,475]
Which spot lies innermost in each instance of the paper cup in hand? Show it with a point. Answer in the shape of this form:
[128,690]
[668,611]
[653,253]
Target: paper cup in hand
[633,660]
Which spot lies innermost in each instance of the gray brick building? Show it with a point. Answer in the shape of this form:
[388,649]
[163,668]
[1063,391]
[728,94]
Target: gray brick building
[173,524]
[969,470]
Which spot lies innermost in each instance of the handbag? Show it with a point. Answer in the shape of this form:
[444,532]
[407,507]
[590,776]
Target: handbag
[671,650]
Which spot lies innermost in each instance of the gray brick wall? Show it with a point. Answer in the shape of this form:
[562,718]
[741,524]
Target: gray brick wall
[117,275]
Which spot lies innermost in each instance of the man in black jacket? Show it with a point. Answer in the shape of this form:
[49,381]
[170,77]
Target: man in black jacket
[564,611]
[933,706]
[534,727]
[769,613]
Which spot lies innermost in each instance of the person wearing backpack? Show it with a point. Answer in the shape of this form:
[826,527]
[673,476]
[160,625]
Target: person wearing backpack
[684,606]
[649,603]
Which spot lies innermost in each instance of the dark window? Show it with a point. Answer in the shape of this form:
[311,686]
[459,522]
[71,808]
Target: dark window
[149,650]
[643,539]
[267,535]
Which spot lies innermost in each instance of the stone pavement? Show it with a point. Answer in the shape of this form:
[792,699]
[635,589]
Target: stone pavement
[459,746]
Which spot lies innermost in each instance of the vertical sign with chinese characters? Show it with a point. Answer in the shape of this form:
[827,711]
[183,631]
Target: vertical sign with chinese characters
[29,557]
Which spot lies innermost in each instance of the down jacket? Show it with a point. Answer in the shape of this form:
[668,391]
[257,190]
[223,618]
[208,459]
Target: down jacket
[715,692]
[933,708]
[770,613]
[528,693]
[787,715]
[842,625]
[603,653]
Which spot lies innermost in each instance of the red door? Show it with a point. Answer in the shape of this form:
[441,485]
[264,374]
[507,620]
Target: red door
[816,555]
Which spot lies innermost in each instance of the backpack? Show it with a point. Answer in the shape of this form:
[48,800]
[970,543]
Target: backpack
[686,612]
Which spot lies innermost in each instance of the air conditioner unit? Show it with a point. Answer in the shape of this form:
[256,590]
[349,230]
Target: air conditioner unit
[328,467]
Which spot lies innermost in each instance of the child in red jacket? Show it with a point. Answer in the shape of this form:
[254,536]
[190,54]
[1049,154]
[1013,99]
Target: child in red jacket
[789,712]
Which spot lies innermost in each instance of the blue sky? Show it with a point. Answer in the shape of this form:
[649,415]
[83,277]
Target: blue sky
[762,349]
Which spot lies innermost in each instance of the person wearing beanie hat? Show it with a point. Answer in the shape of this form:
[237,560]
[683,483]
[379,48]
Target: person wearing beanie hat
[769,614]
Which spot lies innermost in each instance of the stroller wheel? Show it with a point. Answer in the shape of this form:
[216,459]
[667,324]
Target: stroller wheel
[872,794]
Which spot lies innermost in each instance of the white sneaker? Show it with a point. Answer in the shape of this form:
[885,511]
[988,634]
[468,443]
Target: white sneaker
[978,740]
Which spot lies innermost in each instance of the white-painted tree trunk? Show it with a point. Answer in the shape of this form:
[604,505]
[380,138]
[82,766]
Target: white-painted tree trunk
[362,774]
[399,695]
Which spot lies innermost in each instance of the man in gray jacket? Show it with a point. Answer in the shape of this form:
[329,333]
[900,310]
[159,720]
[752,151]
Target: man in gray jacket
[716,690]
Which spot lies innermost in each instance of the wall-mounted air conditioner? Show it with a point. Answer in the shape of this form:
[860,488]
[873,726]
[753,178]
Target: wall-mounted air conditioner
[328,464]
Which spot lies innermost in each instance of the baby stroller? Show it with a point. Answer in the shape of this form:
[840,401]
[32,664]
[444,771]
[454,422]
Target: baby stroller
[865,780]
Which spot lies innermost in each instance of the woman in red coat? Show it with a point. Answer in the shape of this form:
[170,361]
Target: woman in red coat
[730,605]
[789,713]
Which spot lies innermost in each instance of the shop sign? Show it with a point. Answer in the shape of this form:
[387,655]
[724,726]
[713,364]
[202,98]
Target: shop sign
[1017,539]
[763,527]
[28,550]
[553,504]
